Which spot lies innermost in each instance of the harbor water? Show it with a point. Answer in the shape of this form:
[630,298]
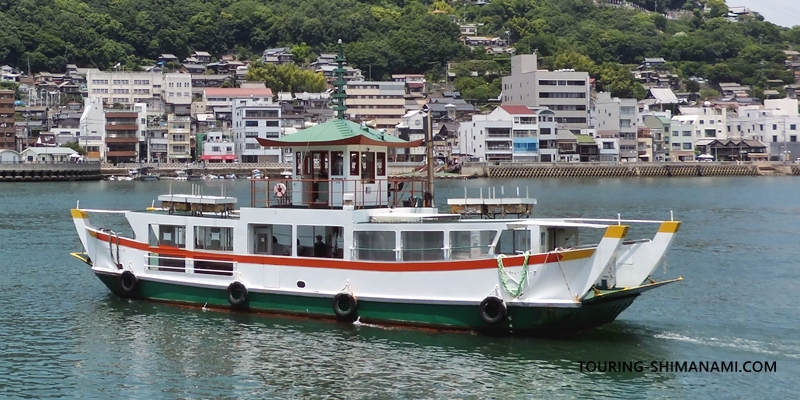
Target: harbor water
[62,334]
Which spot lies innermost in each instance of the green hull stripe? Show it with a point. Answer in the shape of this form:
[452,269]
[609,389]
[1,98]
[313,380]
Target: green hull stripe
[533,320]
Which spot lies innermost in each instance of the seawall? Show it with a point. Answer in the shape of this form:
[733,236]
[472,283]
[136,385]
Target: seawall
[49,171]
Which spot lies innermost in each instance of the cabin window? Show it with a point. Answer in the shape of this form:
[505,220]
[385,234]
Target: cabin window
[308,165]
[165,263]
[380,165]
[374,245]
[213,238]
[272,239]
[298,161]
[423,246]
[213,267]
[168,235]
[513,241]
[465,245]
[354,163]
[368,167]
[321,241]
[338,163]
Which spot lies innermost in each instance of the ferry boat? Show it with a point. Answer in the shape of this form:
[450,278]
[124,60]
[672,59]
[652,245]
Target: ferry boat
[340,239]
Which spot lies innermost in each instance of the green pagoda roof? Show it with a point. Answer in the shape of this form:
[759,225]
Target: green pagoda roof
[338,132]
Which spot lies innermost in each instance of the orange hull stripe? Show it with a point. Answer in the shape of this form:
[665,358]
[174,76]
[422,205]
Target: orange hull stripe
[406,266]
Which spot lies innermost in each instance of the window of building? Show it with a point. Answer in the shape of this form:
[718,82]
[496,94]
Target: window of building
[608,145]
[354,163]
[793,127]
[675,133]
[774,138]
[687,146]
[793,138]
[251,123]
[273,123]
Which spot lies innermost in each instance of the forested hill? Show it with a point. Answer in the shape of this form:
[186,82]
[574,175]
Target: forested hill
[390,36]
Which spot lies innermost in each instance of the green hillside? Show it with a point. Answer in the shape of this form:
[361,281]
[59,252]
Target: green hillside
[397,36]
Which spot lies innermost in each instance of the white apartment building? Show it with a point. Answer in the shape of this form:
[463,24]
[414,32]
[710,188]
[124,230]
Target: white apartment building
[112,135]
[219,101]
[776,124]
[179,133]
[682,137]
[615,117]
[511,133]
[115,87]
[382,102]
[217,148]
[608,148]
[256,119]
[92,129]
[565,92]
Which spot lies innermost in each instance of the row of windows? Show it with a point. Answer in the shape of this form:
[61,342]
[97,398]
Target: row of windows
[121,82]
[178,94]
[561,95]
[377,96]
[570,120]
[561,82]
[141,81]
[561,107]
[686,146]
[269,123]
[120,91]
[178,84]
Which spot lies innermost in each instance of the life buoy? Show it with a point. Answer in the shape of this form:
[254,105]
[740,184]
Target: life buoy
[279,189]
[128,282]
[345,306]
[237,294]
[493,310]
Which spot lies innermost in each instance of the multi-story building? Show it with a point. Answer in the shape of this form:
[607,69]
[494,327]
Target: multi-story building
[658,124]
[179,136]
[7,128]
[615,117]
[696,125]
[565,92]
[382,102]
[142,87]
[92,129]
[775,124]
[121,136]
[256,119]
[219,101]
[217,148]
[511,133]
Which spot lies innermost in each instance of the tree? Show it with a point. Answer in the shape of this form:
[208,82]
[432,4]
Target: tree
[692,86]
[75,146]
[286,78]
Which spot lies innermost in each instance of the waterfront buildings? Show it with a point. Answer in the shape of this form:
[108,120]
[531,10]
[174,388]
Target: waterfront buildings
[7,124]
[173,90]
[254,119]
[511,133]
[219,101]
[617,117]
[565,92]
[381,102]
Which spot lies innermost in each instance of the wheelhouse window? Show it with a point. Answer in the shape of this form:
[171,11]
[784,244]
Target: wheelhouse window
[354,163]
[337,168]
[380,164]
[167,235]
[213,238]
[368,167]
[271,239]
[465,245]
[422,246]
[374,245]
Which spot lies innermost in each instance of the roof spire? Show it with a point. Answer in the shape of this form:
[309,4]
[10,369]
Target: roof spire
[339,84]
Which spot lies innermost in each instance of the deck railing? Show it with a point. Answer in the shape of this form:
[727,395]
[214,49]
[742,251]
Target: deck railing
[330,193]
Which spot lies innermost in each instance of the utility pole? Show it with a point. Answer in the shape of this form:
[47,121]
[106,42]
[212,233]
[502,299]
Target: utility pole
[429,155]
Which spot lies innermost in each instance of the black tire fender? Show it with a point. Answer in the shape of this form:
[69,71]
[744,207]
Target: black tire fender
[128,283]
[345,306]
[237,294]
[493,310]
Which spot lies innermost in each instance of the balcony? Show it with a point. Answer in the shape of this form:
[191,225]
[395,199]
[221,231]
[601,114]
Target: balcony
[121,140]
[121,153]
[122,127]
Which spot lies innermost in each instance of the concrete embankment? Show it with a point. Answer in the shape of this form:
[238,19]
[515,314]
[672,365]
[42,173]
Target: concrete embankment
[507,170]
[49,171]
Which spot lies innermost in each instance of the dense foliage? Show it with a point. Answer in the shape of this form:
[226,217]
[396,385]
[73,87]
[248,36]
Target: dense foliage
[400,36]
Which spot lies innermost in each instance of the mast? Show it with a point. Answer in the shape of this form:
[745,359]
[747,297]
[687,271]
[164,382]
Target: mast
[339,84]
[429,156]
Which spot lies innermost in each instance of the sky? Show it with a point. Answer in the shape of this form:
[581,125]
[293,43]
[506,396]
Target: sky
[779,12]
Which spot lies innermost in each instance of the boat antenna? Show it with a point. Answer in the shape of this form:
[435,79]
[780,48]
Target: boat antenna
[339,84]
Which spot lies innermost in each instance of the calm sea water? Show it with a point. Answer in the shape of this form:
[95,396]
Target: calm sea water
[63,335]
